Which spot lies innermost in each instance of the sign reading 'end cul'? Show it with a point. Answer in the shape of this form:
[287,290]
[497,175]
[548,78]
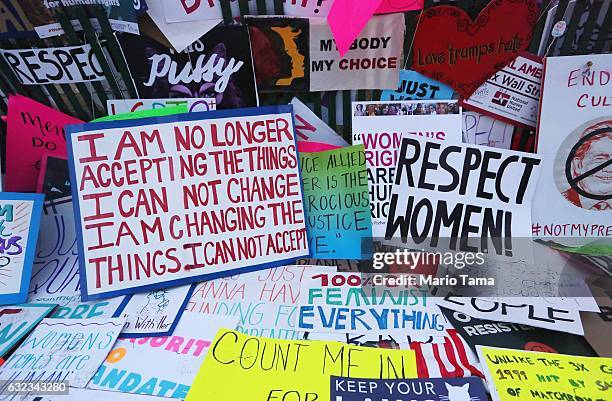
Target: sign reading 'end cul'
[164,201]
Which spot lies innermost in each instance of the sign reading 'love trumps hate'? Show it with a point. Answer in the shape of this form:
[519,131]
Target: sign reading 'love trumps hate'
[462,52]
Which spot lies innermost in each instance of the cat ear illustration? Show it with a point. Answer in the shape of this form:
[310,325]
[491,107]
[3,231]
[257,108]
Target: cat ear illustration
[466,386]
[448,387]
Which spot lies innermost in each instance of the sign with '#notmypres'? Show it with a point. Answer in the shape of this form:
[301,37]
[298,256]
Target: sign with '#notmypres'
[185,198]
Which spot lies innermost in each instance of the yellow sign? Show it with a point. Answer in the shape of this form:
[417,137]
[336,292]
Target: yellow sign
[515,375]
[242,367]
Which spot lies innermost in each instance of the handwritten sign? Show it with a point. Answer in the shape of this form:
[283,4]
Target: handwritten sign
[531,311]
[309,128]
[119,106]
[275,368]
[380,126]
[224,197]
[60,349]
[335,187]
[57,65]
[350,303]
[17,321]
[459,389]
[424,191]
[55,273]
[154,313]
[574,198]
[372,61]
[19,225]
[32,129]
[415,86]
[192,10]
[166,111]
[479,129]
[161,366]
[513,374]
[265,302]
[511,94]
[307,8]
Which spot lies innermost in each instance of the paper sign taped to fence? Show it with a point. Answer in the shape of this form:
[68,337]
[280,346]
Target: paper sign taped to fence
[55,65]
[210,194]
[62,353]
[573,203]
[511,94]
[161,366]
[523,375]
[19,223]
[32,130]
[440,190]
[373,61]
[479,129]
[270,368]
[120,106]
[456,389]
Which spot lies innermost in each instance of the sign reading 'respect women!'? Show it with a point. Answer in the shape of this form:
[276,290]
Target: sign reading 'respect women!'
[188,198]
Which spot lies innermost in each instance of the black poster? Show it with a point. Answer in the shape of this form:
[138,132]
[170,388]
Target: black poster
[55,178]
[516,336]
[218,65]
[280,53]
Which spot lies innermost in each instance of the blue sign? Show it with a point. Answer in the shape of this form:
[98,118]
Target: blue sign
[415,86]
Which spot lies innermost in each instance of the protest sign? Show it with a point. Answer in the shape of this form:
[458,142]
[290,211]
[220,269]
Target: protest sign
[55,274]
[80,394]
[574,197]
[218,65]
[415,86]
[479,129]
[191,10]
[166,111]
[239,205]
[154,313]
[119,106]
[17,321]
[121,15]
[53,178]
[19,224]
[513,374]
[32,129]
[380,126]
[56,65]
[335,185]
[398,6]
[179,35]
[133,366]
[307,8]
[531,311]
[280,53]
[310,128]
[440,191]
[60,349]
[459,389]
[270,368]
[515,335]
[265,302]
[463,52]
[346,19]
[511,94]
[350,303]
[372,62]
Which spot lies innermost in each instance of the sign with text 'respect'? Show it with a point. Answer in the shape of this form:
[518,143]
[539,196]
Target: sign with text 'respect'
[170,200]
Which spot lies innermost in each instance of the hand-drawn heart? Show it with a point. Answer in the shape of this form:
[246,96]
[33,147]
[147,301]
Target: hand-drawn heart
[452,48]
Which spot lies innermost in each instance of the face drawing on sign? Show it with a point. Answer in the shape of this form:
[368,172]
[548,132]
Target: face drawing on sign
[458,393]
[588,168]
[281,61]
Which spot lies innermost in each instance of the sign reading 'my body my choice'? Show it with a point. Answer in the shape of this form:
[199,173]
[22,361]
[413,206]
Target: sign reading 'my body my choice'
[176,199]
